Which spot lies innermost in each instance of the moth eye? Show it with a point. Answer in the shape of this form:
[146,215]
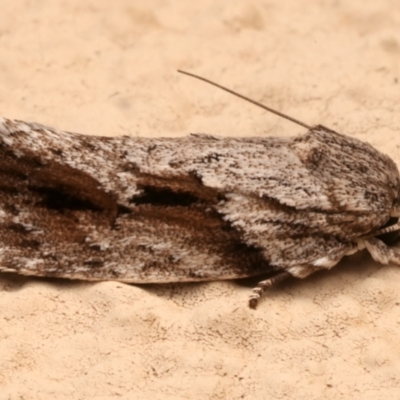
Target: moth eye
[396,206]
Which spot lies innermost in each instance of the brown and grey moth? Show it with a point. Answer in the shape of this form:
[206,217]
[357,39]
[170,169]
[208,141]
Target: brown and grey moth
[193,208]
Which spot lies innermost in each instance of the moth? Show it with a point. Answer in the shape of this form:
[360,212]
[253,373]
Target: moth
[195,208]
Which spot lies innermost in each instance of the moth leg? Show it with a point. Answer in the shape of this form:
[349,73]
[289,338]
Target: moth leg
[302,271]
[264,285]
[382,253]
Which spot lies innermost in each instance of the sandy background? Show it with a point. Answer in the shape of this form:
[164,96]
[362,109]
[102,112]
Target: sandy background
[97,68]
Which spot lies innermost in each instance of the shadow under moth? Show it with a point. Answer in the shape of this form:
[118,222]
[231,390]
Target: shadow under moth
[195,208]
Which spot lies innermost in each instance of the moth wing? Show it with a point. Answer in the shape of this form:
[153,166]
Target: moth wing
[75,207]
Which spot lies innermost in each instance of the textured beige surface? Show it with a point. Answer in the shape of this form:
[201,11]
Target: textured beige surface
[97,68]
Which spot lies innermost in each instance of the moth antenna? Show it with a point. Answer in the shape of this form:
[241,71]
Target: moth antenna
[294,120]
[388,229]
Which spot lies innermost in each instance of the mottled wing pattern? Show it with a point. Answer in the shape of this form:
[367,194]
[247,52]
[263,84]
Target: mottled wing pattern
[79,207]
[182,209]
